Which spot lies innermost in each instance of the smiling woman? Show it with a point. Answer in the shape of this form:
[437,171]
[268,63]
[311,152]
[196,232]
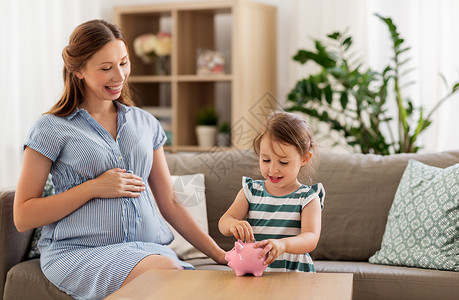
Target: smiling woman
[104,226]
[94,69]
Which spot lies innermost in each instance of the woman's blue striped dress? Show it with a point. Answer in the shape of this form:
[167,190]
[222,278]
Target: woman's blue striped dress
[90,252]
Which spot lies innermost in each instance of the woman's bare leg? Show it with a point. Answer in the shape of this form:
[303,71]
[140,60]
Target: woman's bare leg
[152,262]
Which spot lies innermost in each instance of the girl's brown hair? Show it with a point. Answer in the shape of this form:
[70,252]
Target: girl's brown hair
[85,40]
[288,128]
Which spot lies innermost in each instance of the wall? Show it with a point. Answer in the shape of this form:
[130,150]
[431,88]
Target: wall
[33,33]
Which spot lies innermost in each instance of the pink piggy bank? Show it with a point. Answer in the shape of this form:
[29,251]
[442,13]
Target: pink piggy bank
[243,259]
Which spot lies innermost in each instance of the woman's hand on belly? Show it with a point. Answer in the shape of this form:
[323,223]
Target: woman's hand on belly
[116,183]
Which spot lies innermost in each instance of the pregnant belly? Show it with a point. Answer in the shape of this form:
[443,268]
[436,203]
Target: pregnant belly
[98,222]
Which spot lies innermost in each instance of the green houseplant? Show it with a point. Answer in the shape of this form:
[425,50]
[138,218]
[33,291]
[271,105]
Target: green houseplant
[353,99]
[206,129]
[224,135]
[207,116]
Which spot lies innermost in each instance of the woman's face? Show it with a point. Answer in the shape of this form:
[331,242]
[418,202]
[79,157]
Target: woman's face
[106,72]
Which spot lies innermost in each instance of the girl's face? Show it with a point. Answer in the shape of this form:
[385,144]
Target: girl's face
[280,164]
[106,72]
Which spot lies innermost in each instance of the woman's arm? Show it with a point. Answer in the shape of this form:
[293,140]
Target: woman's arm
[177,215]
[305,242]
[233,220]
[31,210]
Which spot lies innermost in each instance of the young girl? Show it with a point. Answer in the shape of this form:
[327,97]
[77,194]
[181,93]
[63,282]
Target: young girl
[282,214]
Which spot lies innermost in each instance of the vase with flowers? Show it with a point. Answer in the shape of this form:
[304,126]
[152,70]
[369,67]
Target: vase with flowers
[156,48]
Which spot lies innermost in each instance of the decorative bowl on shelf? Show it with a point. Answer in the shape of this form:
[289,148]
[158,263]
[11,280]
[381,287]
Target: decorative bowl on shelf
[210,62]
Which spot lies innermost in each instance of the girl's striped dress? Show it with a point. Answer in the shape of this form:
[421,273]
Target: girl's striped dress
[275,217]
[89,253]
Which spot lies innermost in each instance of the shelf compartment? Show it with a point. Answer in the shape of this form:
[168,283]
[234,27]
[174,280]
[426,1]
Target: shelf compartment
[151,94]
[203,29]
[159,112]
[244,31]
[164,116]
[193,96]
[136,23]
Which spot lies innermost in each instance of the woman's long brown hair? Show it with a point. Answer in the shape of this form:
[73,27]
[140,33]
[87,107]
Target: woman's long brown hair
[86,39]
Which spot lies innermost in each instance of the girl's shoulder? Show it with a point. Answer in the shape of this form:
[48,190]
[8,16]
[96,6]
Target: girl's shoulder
[311,188]
[309,192]
[247,181]
[252,187]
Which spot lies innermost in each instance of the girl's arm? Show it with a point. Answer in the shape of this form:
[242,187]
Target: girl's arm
[305,242]
[177,215]
[31,210]
[232,222]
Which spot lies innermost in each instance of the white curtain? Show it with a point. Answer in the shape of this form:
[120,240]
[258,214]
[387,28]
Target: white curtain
[32,36]
[430,27]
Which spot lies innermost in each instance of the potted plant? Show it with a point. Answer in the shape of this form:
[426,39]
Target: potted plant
[352,99]
[206,129]
[224,135]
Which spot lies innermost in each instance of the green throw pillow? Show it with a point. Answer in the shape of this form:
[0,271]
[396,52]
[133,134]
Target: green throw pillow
[422,229]
[34,252]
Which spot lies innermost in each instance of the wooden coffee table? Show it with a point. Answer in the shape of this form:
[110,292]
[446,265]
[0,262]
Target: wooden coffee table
[205,284]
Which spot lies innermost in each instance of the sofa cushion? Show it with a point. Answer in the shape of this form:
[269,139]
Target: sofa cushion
[355,208]
[47,191]
[26,281]
[381,282]
[423,225]
[223,173]
[189,191]
[13,244]
[359,191]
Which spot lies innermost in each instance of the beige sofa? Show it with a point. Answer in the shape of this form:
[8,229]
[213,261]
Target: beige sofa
[359,193]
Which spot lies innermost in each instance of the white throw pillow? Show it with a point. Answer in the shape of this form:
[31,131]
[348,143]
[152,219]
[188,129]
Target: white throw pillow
[189,191]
